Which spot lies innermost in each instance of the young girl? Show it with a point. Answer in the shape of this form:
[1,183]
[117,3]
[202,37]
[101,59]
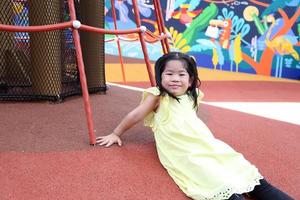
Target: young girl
[204,167]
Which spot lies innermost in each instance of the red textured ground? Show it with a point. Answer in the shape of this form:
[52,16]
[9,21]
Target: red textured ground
[44,150]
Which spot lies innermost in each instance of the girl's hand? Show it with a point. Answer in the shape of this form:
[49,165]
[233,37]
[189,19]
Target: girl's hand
[109,140]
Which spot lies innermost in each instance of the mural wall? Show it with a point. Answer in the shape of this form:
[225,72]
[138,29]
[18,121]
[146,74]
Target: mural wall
[257,37]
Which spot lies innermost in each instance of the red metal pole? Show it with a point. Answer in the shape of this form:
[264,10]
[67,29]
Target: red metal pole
[159,26]
[118,41]
[162,24]
[143,44]
[82,75]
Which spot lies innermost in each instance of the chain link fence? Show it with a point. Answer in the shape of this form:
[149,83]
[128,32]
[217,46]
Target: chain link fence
[42,65]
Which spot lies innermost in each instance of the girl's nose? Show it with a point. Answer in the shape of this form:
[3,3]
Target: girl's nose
[175,78]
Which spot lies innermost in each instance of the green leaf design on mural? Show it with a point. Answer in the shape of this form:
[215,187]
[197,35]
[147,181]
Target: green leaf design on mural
[200,22]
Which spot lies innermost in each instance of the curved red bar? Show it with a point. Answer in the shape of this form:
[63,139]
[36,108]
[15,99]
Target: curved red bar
[64,25]
[106,31]
[43,28]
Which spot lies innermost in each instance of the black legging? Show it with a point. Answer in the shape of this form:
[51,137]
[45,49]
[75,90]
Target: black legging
[264,191]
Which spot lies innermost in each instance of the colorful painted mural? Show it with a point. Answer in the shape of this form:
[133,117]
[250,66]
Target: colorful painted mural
[257,37]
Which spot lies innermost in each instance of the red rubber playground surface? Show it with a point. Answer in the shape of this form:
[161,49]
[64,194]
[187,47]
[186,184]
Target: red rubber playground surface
[45,151]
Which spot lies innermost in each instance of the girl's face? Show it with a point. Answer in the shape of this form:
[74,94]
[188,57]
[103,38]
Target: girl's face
[175,78]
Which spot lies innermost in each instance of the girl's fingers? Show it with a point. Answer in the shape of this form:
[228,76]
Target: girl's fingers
[99,141]
[103,143]
[109,143]
[119,142]
[100,137]
[106,142]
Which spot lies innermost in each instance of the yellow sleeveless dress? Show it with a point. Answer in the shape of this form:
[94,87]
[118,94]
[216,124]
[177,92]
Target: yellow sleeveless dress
[204,167]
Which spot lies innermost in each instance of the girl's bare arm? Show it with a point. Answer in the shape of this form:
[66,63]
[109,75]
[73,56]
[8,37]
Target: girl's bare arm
[139,113]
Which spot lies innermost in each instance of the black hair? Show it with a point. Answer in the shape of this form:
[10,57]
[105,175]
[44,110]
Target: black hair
[191,67]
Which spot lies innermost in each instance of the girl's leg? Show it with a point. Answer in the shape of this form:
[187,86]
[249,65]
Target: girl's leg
[265,191]
[236,197]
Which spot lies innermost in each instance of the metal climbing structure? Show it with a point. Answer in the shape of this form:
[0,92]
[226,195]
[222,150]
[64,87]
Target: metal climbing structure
[53,49]
[145,36]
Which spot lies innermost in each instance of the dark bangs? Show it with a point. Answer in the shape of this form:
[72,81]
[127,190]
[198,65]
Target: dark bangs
[191,67]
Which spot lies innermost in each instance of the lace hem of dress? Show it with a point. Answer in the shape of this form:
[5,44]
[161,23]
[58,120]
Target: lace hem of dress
[230,191]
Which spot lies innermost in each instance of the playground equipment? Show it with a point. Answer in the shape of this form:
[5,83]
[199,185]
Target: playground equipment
[144,36]
[38,61]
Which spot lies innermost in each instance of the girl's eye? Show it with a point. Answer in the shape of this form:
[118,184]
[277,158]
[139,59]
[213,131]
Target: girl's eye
[169,74]
[182,74]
